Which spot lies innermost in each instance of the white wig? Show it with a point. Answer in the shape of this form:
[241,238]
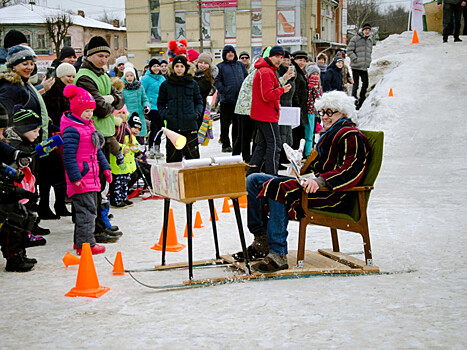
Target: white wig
[337,101]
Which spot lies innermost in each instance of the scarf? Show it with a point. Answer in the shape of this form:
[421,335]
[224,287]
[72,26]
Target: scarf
[205,132]
[330,133]
[133,86]
[180,81]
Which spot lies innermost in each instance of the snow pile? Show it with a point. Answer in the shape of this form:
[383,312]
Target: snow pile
[417,223]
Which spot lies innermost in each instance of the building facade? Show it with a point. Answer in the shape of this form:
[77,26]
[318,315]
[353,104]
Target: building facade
[31,21]
[248,25]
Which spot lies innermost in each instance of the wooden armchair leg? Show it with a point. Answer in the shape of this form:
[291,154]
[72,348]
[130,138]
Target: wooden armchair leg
[335,240]
[367,247]
[301,243]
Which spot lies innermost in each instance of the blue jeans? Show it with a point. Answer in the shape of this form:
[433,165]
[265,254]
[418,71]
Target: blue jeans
[257,220]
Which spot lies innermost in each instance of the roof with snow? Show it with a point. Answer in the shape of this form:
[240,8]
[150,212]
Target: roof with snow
[33,14]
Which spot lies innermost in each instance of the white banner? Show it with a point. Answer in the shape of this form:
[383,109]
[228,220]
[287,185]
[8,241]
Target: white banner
[418,10]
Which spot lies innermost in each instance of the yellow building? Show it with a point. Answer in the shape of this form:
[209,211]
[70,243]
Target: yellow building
[248,25]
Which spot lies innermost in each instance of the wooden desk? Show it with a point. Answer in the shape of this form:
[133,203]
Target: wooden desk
[188,185]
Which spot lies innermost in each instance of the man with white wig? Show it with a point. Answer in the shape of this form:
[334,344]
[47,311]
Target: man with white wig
[340,163]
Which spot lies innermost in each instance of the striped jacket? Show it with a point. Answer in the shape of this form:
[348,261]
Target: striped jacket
[341,161]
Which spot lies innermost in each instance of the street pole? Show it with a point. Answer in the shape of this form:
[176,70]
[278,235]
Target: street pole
[200,14]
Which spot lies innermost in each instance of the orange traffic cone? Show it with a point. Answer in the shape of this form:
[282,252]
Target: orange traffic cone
[172,241]
[198,221]
[87,283]
[118,265]
[242,201]
[186,232]
[215,215]
[225,206]
[391,94]
[415,38]
[70,259]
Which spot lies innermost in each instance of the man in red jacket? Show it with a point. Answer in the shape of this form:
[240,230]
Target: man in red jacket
[265,109]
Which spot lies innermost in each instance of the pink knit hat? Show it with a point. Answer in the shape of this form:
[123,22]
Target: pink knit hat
[124,109]
[80,99]
[192,55]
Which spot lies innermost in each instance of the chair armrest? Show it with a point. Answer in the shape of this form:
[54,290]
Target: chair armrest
[353,189]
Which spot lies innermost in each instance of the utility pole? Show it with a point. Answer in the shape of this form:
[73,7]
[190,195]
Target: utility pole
[200,14]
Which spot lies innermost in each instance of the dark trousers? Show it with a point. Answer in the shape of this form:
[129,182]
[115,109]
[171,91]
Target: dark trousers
[156,124]
[268,148]
[448,10]
[243,143]
[86,211]
[360,74]
[464,10]
[228,117]
[190,151]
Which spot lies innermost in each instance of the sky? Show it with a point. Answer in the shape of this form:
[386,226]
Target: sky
[93,9]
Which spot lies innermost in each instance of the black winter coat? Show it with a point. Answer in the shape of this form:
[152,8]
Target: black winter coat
[180,105]
[300,96]
[286,98]
[230,77]
[56,104]
[333,78]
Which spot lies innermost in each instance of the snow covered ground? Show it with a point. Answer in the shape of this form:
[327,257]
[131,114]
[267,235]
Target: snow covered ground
[418,230]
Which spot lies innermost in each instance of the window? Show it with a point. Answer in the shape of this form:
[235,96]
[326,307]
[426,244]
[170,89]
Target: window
[256,19]
[206,16]
[125,42]
[27,34]
[116,42]
[155,20]
[230,25]
[40,41]
[180,31]
[67,41]
[107,38]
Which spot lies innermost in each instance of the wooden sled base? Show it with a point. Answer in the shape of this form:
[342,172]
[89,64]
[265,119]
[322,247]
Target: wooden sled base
[321,262]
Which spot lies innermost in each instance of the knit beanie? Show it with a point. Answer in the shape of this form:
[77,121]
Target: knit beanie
[13,38]
[18,54]
[338,59]
[152,62]
[205,57]
[65,69]
[97,44]
[192,55]
[3,117]
[286,54]
[312,69]
[366,26]
[124,109]
[276,51]
[134,121]
[244,53]
[121,60]
[25,120]
[80,99]
[163,61]
[67,51]
[180,59]
[129,68]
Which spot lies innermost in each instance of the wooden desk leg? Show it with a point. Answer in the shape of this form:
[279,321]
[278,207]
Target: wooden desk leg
[189,218]
[214,227]
[241,233]
[164,230]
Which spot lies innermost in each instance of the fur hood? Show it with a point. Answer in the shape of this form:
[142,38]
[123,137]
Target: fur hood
[191,70]
[11,77]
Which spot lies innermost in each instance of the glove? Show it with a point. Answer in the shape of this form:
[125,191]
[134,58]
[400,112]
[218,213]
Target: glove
[79,184]
[108,175]
[146,110]
[120,158]
[23,158]
[109,99]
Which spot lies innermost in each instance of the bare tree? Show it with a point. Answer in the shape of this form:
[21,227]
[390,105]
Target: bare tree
[5,3]
[361,11]
[57,28]
[108,17]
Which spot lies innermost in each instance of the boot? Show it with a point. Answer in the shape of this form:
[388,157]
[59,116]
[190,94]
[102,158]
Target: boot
[60,207]
[35,241]
[16,263]
[26,259]
[271,263]
[257,250]
[96,249]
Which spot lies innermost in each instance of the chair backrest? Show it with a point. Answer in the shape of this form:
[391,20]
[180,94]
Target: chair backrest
[374,161]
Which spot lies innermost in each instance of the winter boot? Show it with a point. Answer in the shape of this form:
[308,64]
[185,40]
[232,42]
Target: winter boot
[16,263]
[35,241]
[97,249]
[26,259]
[271,263]
[257,250]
